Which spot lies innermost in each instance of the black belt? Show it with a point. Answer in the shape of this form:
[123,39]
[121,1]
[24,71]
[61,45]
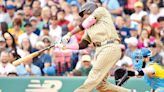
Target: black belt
[99,44]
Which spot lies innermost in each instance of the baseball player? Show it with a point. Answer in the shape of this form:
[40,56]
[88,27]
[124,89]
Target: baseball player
[99,30]
[153,73]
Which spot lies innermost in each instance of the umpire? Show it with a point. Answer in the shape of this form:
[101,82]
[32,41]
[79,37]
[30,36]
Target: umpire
[99,30]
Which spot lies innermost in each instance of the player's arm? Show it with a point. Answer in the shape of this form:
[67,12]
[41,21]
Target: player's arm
[150,71]
[145,71]
[88,22]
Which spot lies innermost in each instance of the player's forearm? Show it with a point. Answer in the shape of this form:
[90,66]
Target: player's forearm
[76,30]
[135,73]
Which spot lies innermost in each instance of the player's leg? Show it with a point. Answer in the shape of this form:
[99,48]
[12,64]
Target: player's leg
[103,63]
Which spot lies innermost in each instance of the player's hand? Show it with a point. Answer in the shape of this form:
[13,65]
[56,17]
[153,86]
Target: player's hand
[61,46]
[66,38]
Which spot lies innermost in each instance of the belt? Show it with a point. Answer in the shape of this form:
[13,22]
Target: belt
[99,44]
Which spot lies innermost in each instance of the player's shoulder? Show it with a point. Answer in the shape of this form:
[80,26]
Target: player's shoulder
[101,9]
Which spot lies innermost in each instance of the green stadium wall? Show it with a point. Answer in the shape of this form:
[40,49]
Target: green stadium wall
[57,84]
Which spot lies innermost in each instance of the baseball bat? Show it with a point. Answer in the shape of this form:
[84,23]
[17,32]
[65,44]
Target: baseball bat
[32,55]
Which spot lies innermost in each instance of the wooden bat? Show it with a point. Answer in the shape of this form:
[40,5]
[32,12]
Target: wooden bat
[32,55]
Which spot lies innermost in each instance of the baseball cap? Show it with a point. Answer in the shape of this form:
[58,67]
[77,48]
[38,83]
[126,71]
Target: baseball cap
[86,58]
[33,19]
[10,7]
[145,52]
[46,26]
[131,40]
[74,3]
[27,24]
[138,4]
[2,39]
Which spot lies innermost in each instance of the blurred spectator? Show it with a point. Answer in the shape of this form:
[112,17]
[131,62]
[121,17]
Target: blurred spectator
[144,25]
[143,39]
[50,3]
[81,2]
[4,17]
[19,15]
[160,47]
[155,32]
[3,28]
[11,11]
[2,44]
[54,9]
[74,8]
[49,69]
[47,40]
[122,28]
[129,7]
[25,47]
[28,34]
[138,14]
[131,46]
[27,68]
[27,12]
[5,66]
[36,8]
[161,21]
[124,61]
[113,6]
[155,57]
[133,32]
[42,59]
[68,14]
[28,2]
[55,30]
[19,4]
[16,31]
[45,15]
[158,2]
[155,13]
[86,65]
[10,43]
[45,30]
[61,18]
[13,57]
[34,22]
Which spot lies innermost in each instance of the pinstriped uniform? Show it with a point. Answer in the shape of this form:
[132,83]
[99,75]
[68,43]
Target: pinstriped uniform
[105,57]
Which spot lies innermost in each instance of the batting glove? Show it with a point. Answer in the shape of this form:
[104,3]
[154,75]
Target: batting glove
[66,38]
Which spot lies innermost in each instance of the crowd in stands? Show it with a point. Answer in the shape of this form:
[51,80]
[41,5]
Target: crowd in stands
[27,26]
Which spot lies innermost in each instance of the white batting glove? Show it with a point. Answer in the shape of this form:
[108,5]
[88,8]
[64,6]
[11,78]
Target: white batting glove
[61,46]
[66,38]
